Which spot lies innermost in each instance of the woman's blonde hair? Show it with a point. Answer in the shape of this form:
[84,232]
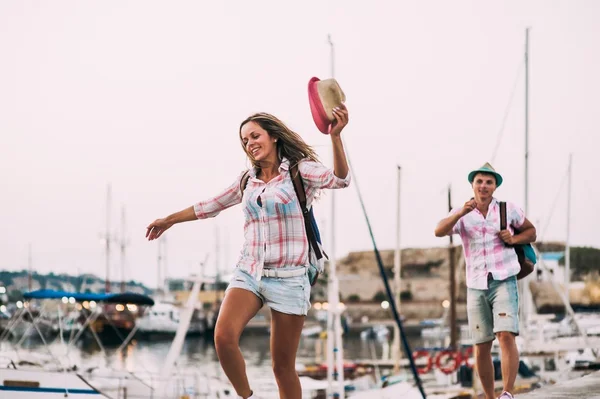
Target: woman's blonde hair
[289,143]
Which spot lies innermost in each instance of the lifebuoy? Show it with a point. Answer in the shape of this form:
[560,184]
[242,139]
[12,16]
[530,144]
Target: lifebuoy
[423,369]
[466,357]
[451,363]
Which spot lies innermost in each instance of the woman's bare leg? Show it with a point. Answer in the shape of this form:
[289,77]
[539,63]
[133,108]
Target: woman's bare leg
[238,307]
[285,337]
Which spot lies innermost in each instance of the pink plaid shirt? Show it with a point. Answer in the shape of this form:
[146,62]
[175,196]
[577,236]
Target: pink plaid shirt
[485,252]
[274,230]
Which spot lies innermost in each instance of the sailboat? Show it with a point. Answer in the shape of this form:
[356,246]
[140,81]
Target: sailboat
[60,377]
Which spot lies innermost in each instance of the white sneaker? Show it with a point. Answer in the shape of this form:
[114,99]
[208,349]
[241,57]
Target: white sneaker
[506,395]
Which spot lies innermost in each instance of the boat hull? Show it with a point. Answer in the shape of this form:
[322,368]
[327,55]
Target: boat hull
[30,384]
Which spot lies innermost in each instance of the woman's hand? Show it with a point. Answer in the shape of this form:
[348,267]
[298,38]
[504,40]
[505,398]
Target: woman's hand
[157,228]
[341,120]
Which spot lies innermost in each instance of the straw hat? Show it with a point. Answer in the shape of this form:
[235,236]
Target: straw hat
[323,96]
[486,168]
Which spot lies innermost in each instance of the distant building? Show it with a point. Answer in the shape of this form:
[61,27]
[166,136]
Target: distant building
[22,284]
[425,274]
[211,292]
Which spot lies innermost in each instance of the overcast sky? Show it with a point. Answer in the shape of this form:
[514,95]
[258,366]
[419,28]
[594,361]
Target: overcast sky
[147,96]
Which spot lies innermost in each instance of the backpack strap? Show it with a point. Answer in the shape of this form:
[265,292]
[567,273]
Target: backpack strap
[301,194]
[244,182]
[299,187]
[502,215]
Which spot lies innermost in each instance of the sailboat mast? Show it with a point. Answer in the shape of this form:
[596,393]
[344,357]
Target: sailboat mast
[334,323]
[567,244]
[29,269]
[107,239]
[397,278]
[217,264]
[123,245]
[524,294]
[331,281]
[526,205]
[452,267]
[332,264]
[164,283]
[159,266]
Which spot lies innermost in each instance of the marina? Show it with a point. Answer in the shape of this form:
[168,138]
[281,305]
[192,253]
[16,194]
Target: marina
[416,256]
[53,364]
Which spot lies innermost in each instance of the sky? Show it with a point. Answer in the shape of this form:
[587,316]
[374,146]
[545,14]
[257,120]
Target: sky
[147,96]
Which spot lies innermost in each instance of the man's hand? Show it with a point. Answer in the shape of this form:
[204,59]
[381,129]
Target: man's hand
[468,207]
[507,237]
[446,225]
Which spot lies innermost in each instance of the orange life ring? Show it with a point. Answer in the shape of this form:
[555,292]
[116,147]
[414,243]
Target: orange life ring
[423,369]
[453,360]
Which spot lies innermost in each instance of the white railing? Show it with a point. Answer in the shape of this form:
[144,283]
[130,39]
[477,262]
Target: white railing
[125,385]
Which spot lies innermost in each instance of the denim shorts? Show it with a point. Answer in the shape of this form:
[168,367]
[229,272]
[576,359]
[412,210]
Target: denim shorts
[290,295]
[493,310]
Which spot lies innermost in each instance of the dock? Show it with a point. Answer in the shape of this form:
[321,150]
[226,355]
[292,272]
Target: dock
[587,387]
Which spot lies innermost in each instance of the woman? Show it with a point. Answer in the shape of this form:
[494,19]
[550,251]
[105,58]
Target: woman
[272,267]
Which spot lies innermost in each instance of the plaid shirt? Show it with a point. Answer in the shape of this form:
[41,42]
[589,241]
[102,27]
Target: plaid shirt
[274,230]
[485,252]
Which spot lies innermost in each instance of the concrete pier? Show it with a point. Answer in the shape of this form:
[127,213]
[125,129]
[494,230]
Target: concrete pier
[587,387]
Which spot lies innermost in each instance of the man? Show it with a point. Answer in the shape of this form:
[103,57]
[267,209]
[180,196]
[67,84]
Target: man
[492,268]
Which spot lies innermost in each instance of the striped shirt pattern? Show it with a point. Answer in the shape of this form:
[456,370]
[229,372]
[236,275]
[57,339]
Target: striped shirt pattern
[485,252]
[274,231]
